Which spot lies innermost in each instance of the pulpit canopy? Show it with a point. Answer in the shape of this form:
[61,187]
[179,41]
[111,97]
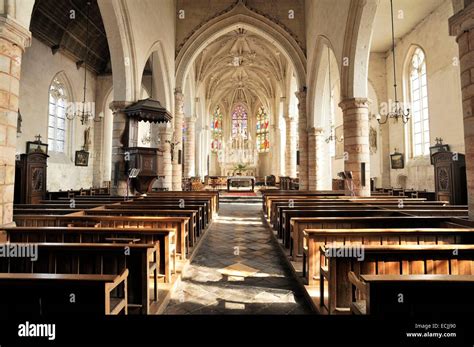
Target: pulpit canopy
[148,110]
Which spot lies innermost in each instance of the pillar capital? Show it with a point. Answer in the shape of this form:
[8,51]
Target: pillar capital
[315,131]
[462,21]
[119,106]
[191,119]
[352,103]
[15,33]
[301,95]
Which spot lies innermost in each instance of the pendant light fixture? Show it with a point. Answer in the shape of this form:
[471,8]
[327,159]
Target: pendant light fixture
[85,110]
[398,112]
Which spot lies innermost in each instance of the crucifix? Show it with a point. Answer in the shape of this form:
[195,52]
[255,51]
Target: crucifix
[38,138]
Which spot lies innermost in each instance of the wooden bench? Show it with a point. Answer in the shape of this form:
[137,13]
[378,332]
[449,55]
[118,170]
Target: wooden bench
[281,210]
[26,294]
[315,238]
[422,294]
[141,260]
[386,260]
[293,220]
[298,221]
[164,238]
[193,230]
[179,224]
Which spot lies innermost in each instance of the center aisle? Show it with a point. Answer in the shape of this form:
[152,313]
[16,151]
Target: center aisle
[238,269]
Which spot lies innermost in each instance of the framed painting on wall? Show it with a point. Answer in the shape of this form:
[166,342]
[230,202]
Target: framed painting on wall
[396,160]
[82,158]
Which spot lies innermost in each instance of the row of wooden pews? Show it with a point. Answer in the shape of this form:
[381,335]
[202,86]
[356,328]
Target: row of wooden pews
[102,254]
[349,253]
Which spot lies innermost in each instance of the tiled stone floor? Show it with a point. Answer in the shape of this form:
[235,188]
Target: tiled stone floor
[238,270]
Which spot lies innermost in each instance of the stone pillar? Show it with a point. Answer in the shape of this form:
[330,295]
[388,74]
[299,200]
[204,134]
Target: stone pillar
[13,41]
[356,143]
[178,138]
[302,140]
[315,144]
[290,150]
[119,141]
[165,169]
[190,147]
[461,25]
[275,157]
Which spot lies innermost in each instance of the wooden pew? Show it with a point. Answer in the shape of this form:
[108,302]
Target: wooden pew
[386,260]
[141,260]
[280,209]
[207,204]
[292,233]
[271,203]
[179,224]
[49,294]
[204,218]
[422,294]
[296,222]
[392,234]
[164,238]
[194,229]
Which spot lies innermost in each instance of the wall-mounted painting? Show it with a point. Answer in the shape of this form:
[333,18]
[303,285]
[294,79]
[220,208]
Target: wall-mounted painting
[396,160]
[82,158]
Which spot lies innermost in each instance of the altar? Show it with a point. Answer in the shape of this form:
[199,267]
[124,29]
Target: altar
[240,181]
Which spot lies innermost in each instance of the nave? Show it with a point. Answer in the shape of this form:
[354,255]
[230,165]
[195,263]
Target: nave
[238,269]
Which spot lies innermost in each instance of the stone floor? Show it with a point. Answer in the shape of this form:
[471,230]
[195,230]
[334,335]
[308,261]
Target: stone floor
[238,269]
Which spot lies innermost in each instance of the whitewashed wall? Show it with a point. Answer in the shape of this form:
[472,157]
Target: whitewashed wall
[39,67]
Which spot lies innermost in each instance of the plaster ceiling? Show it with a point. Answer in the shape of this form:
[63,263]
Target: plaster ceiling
[240,67]
[414,11]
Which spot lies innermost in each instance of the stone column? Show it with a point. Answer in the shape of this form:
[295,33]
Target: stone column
[302,140]
[290,150]
[315,144]
[13,40]
[461,25]
[356,143]
[165,169]
[275,143]
[119,141]
[190,147]
[178,138]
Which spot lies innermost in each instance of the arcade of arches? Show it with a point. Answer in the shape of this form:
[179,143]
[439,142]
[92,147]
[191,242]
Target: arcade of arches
[272,91]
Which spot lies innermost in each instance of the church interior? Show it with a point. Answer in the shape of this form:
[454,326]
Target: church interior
[236,157]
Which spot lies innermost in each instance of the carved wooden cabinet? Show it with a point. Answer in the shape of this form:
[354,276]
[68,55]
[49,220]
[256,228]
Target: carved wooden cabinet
[450,177]
[30,178]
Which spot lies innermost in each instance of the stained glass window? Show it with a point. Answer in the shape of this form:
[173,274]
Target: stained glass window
[263,122]
[216,130]
[419,101]
[239,121]
[57,116]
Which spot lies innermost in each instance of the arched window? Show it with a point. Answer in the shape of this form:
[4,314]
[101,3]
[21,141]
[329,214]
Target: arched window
[239,121]
[57,116]
[216,130]
[263,143]
[419,101]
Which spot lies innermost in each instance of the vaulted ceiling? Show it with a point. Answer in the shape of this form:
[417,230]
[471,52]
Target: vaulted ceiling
[61,24]
[240,67]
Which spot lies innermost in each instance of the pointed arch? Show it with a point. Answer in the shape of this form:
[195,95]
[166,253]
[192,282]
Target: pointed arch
[356,50]
[318,79]
[240,17]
